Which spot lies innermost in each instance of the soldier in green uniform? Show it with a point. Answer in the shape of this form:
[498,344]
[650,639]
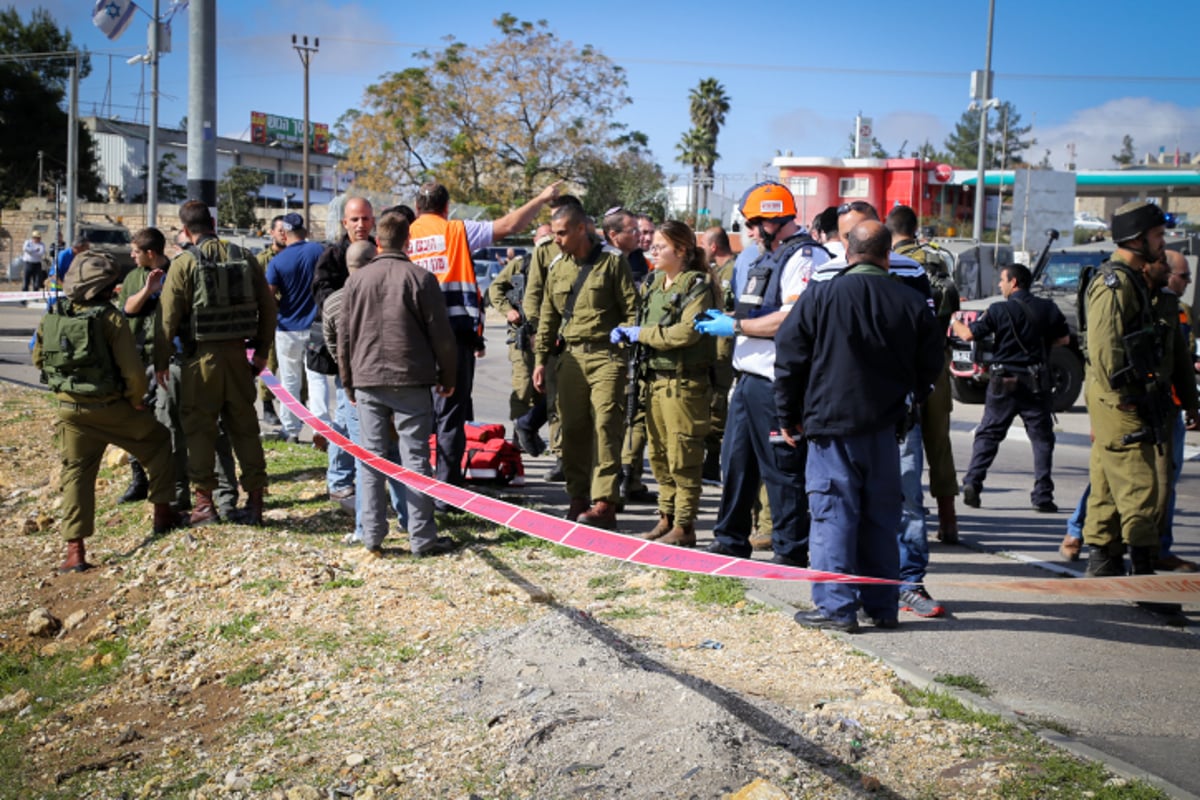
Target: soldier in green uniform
[1128,395]
[716,244]
[88,358]
[544,254]
[526,407]
[216,300]
[678,362]
[588,292]
[935,414]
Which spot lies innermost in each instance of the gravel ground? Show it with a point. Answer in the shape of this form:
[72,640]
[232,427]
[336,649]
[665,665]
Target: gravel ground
[238,662]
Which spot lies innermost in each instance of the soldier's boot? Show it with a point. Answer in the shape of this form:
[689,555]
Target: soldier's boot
[253,513]
[661,528]
[139,484]
[631,493]
[712,466]
[602,514]
[1142,560]
[680,536]
[1106,562]
[555,474]
[947,520]
[578,506]
[166,518]
[76,560]
[203,510]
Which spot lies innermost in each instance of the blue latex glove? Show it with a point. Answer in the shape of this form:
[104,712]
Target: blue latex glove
[715,323]
[624,333]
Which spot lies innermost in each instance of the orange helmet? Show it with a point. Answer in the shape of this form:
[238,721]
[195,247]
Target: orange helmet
[768,200]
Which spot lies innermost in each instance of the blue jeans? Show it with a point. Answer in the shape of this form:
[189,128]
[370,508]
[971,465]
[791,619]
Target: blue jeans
[339,474]
[1075,521]
[853,485]
[747,456]
[395,488]
[914,541]
[409,410]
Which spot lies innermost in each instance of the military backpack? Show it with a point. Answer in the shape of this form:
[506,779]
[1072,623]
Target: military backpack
[76,357]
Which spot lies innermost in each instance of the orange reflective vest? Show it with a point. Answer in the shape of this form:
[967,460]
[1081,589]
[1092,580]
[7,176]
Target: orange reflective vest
[440,246]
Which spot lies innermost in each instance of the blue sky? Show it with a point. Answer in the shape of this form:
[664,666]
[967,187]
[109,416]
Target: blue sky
[796,73]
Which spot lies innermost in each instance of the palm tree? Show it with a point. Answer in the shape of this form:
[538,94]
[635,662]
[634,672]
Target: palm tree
[693,150]
[708,105]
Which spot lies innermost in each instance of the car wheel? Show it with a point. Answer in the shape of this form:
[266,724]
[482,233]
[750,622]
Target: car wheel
[1066,377]
[968,391]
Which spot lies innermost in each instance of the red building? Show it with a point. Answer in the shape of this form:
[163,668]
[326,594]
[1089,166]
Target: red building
[926,186]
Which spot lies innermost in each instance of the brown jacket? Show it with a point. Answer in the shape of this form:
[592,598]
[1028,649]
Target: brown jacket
[394,329]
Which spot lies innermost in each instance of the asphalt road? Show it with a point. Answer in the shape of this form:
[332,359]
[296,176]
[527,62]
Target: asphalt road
[1111,674]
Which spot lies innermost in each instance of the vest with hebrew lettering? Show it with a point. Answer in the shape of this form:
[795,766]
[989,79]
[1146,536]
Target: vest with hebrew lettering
[440,246]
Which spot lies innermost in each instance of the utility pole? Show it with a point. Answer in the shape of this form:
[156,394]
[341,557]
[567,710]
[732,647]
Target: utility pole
[40,155]
[305,52]
[983,124]
[73,148]
[202,103]
[152,171]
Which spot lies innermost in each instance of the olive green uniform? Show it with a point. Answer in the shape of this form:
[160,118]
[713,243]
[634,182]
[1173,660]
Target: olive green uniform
[590,371]
[535,284]
[507,289]
[1127,479]
[86,425]
[216,378]
[678,367]
[935,414]
[723,365]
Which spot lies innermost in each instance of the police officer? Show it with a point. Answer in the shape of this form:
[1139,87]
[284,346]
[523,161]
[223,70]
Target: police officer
[216,300]
[678,364]
[787,261]
[935,413]
[1128,395]
[88,358]
[1025,328]
[588,292]
[526,406]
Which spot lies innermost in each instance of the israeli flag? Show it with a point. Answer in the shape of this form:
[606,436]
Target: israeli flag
[112,17]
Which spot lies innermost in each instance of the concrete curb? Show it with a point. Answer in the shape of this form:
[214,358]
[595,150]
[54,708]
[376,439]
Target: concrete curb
[921,679]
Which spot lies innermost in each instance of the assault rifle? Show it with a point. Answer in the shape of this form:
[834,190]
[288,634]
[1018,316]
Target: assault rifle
[1143,353]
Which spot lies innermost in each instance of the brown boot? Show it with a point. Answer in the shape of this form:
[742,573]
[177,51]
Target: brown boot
[578,506]
[165,518]
[254,508]
[680,536]
[760,541]
[602,514]
[947,520]
[665,522]
[203,510]
[76,558]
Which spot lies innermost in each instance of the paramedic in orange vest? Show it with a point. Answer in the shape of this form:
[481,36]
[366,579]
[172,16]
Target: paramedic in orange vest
[444,247]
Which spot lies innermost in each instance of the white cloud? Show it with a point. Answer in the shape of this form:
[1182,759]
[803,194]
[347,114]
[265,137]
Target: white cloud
[1097,132]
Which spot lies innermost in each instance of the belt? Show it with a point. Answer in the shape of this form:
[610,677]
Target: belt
[593,346]
[669,374]
[85,406]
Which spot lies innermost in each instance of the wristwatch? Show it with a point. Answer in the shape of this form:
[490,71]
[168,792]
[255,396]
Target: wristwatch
[737,327]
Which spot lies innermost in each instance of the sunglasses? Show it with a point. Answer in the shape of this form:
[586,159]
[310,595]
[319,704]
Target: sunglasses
[858,206]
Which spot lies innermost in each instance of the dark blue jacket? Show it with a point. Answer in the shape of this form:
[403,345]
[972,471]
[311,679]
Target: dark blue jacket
[1024,327]
[851,351]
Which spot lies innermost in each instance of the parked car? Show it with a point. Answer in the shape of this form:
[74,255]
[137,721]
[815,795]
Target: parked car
[110,238]
[486,271]
[1055,278]
[497,252]
[1089,221]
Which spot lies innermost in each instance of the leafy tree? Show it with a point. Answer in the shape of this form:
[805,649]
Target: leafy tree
[236,195]
[1126,156]
[170,171]
[493,122]
[875,151]
[631,179]
[1005,139]
[707,105]
[32,110]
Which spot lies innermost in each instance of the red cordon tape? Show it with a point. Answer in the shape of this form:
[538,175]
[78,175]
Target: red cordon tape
[1146,588]
[23,297]
[562,531]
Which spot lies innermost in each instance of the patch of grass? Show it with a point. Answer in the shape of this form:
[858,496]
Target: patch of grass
[184,787]
[251,673]
[244,629]
[628,612]
[708,589]
[264,586]
[261,722]
[343,583]
[948,707]
[405,653]
[1056,774]
[969,682]
[1036,723]
[264,782]
[609,581]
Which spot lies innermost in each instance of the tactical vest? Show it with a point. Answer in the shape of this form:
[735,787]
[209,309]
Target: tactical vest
[224,306]
[762,294]
[76,358]
[662,308]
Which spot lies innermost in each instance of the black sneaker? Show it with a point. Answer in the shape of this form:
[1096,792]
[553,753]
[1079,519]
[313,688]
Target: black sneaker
[885,623]
[722,550]
[971,495]
[555,474]
[1046,507]
[439,547]
[917,601]
[788,561]
[529,441]
[817,621]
